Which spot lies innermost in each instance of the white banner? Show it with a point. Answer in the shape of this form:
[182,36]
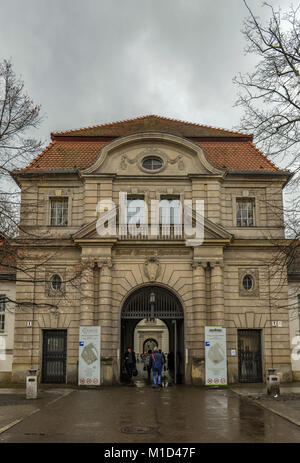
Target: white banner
[89,355]
[215,356]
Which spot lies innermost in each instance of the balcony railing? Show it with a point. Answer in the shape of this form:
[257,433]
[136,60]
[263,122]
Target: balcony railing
[148,232]
[145,231]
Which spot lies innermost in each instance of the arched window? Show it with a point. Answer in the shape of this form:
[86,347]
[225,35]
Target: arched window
[248,282]
[152,163]
[56,282]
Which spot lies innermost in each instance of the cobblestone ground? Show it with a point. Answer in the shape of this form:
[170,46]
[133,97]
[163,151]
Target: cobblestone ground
[129,414]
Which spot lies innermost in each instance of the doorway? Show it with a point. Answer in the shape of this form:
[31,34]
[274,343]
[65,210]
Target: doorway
[152,303]
[250,357]
[54,356]
[149,344]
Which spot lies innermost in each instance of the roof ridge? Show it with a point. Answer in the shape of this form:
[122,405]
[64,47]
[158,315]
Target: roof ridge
[144,117]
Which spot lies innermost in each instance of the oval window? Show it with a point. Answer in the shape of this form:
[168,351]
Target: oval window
[152,163]
[248,282]
[56,282]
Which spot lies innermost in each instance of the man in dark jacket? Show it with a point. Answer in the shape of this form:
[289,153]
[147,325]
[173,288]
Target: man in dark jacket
[156,363]
[130,361]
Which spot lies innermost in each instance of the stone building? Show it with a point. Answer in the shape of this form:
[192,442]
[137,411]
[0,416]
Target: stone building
[79,277]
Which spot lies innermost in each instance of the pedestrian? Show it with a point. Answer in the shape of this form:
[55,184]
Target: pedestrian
[156,363]
[147,362]
[130,361]
[164,357]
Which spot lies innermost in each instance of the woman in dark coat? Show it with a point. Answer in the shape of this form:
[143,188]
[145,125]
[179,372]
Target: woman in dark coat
[130,361]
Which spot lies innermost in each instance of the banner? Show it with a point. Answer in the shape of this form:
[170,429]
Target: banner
[89,356]
[215,356]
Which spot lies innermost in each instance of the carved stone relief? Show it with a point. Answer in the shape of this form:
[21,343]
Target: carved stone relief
[152,268]
[152,151]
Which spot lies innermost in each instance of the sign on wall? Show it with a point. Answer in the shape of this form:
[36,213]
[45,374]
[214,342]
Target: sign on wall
[89,355]
[215,356]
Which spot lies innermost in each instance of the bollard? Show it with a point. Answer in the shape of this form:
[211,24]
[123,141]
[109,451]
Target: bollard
[273,382]
[31,385]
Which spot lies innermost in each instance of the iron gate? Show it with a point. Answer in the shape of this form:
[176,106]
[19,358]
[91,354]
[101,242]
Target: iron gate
[250,358]
[165,305]
[54,356]
[151,302]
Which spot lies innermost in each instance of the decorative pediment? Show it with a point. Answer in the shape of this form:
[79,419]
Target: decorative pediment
[126,155]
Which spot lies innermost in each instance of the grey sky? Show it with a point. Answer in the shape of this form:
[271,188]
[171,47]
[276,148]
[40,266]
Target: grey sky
[94,61]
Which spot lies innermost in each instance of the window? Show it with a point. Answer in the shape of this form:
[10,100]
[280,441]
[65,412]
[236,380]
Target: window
[2,314]
[56,282]
[170,210]
[135,209]
[245,212]
[248,282]
[152,163]
[59,212]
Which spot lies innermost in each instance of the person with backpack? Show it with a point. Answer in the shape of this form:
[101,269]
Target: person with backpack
[156,363]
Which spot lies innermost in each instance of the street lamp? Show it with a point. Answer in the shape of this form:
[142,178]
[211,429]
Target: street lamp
[152,302]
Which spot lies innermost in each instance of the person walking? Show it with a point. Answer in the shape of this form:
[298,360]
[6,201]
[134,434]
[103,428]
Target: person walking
[164,357]
[156,363]
[130,361]
[148,366]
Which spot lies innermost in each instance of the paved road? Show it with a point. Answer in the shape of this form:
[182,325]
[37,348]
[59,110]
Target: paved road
[141,414]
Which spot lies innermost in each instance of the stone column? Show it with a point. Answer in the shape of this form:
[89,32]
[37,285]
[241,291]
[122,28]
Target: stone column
[87,293]
[199,296]
[105,307]
[199,321]
[217,294]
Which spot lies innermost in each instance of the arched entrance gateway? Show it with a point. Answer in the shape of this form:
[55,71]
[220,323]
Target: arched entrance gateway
[150,303]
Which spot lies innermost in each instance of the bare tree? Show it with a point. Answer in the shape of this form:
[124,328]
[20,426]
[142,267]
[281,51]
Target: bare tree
[19,115]
[270,98]
[270,95]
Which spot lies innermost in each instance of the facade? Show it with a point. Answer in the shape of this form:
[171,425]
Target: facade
[80,277]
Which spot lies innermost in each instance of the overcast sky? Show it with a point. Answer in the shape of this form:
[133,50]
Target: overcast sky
[89,62]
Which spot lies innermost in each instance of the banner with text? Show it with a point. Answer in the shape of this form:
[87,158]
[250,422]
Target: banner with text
[89,355]
[215,356]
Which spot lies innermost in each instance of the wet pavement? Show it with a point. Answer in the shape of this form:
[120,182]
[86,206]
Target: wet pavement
[128,414]
[286,404]
[14,406]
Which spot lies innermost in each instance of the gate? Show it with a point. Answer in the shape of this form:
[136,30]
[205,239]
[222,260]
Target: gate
[54,356]
[151,302]
[250,358]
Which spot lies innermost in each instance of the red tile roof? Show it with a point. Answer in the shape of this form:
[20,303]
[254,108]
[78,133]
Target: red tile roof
[148,124]
[80,148]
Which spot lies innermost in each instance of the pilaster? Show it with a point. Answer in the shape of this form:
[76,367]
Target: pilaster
[217,294]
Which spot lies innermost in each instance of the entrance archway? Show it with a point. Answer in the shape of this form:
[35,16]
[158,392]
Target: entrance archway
[150,303]
[149,344]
